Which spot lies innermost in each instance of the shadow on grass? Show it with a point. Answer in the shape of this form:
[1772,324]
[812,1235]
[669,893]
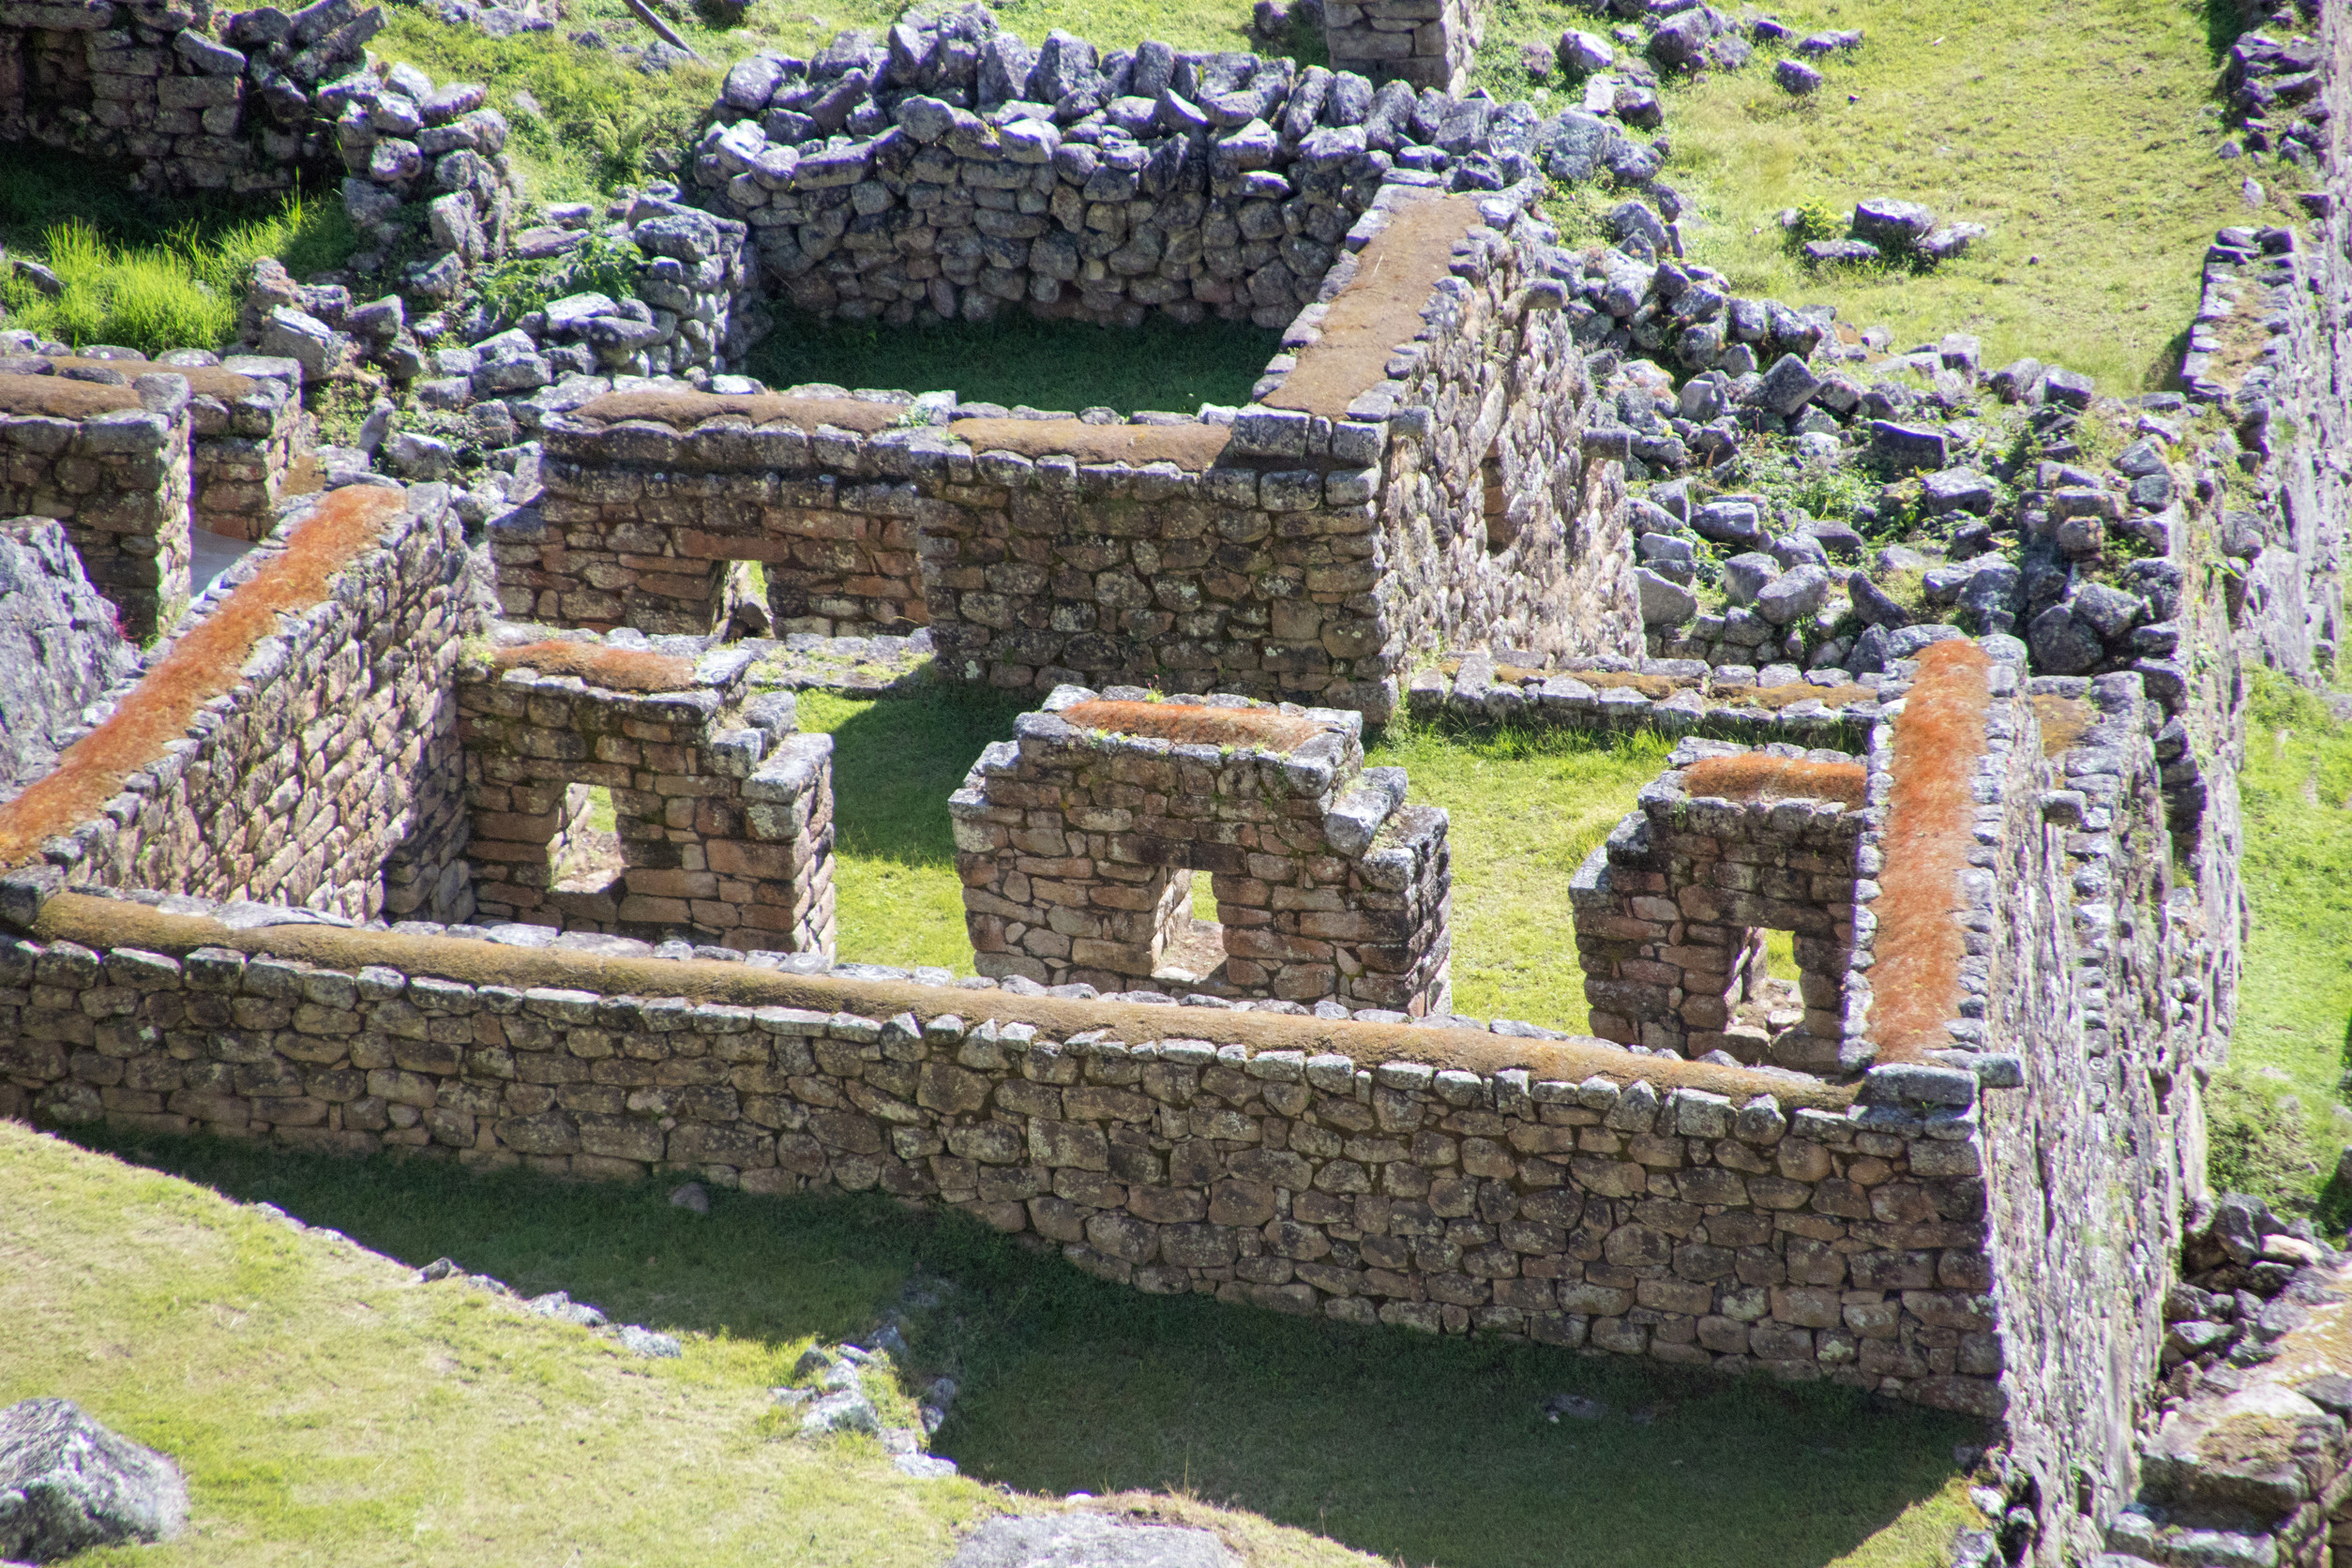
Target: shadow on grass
[897,760]
[1420,1449]
[1019,359]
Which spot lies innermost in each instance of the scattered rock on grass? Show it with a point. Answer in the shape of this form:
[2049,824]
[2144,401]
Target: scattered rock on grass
[68,1483]
[1065,1540]
[693,1196]
[645,1342]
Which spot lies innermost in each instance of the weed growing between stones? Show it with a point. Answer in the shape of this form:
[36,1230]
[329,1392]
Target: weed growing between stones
[140,272]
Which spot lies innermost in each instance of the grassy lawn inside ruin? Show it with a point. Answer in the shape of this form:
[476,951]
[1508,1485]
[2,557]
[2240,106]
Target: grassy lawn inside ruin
[328,1411]
[2278,1112]
[1019,359]
[1525,808]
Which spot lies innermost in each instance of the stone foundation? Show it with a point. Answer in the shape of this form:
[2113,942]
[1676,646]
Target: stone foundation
[1077,843]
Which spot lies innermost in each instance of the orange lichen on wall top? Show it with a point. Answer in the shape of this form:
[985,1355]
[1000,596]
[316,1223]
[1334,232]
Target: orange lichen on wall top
[614,668]
[1262,729]
[1753,776]
[1931,826]
[200,666]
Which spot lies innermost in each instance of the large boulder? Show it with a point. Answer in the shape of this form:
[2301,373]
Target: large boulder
[59,647]
[68,1483]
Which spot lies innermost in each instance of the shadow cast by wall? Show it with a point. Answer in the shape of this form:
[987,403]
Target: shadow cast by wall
[1421,1450]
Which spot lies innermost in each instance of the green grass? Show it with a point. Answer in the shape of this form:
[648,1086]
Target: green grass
[1525,808]
[1019,359]
[2080,131]
[2277,1112]
[327,1411]
[141,272]
[895,762]
[418,1425]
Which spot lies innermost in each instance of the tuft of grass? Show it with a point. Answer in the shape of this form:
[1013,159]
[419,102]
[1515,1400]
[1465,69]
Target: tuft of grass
[2083,133]
[1019,359]
[2278,1112]
[172,293]
[425,1424]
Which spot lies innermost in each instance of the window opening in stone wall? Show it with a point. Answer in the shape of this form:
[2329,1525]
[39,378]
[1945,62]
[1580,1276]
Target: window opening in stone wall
[1501,529]
[1767,996]
[584,857]
[1192,938]
[56,69]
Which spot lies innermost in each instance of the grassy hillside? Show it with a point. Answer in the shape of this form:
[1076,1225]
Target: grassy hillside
[2083,131]
[329,1412]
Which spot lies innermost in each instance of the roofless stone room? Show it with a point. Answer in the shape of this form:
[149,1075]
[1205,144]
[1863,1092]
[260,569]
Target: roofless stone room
[1308,783]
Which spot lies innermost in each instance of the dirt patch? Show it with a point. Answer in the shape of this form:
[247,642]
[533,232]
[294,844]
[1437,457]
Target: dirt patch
[1931,820]
[1779,697]
[1192,447]
[200,666]
[685,409]
[106,923]
[2065,720]
[1380,309]
[206,381]
[56,397]
[1755,777]
[1261,728]
[614,668]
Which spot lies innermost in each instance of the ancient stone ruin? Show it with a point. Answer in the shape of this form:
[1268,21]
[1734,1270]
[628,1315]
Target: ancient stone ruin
[1076,841]
[455,816]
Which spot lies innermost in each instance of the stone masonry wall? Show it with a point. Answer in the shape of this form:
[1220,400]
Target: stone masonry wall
[151,85]
[1573,1193]
[1370,506]
[725,814]
[1425,43]
[110,463]
[1076,843]
[334,745]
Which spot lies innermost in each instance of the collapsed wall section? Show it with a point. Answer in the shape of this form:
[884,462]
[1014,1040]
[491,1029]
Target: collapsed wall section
[295,733]
[1424,1177]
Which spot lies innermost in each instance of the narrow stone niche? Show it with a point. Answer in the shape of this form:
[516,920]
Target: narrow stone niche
[1076,843]
[1729,843]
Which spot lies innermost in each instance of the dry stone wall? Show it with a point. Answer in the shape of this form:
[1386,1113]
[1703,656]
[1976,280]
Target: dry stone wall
[1369,505]
[334,751]
[951,171]
[111,463]
[59,648]
[1076,843]
[1670,911]
[1577,1195]
[1422,43]
[724,812]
